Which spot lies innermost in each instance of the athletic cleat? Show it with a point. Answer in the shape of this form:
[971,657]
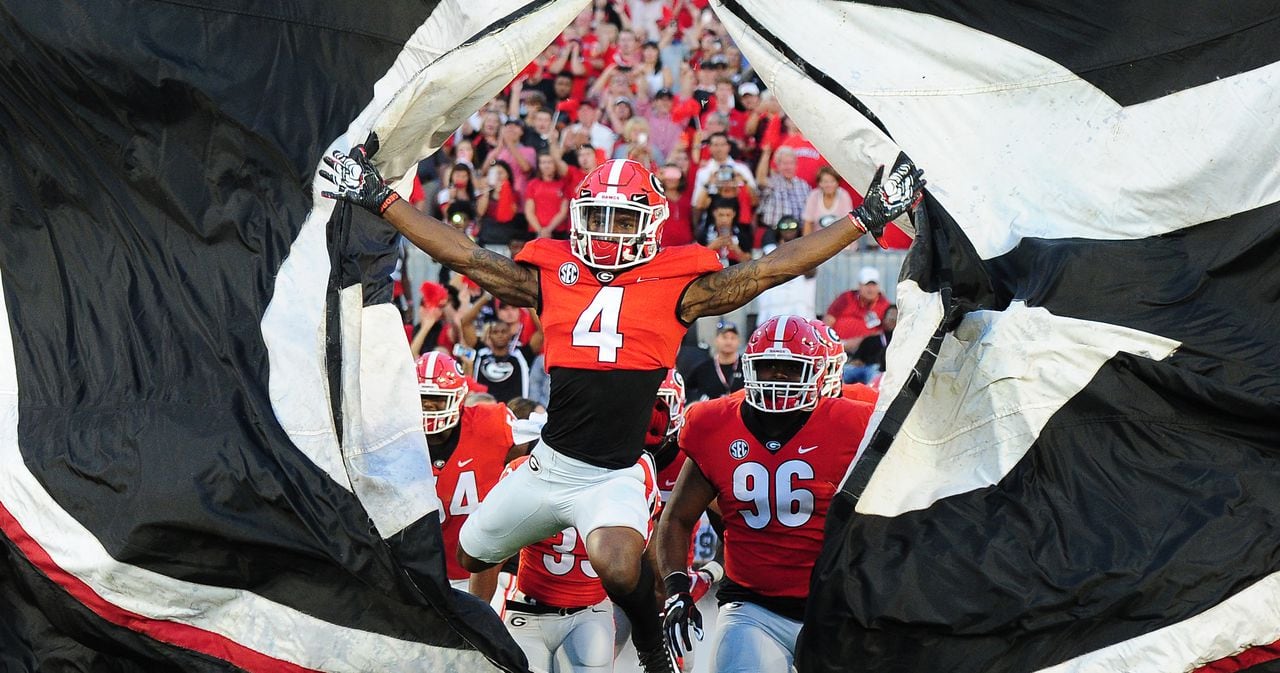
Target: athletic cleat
[658,660]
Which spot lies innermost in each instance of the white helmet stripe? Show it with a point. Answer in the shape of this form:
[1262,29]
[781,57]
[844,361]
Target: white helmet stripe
[615,176]
[780,328]
[431,361]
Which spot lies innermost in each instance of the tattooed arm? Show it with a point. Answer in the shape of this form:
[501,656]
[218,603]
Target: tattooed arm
[356,180]
[720,292]
[513,283]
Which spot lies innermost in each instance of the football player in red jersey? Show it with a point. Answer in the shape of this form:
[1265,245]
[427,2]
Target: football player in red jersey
[614,307]
[469,447]
[834,385]
[557,610]
[773,460]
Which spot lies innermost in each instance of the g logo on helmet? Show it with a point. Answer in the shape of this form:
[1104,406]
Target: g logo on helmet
[738,449]
[568,273]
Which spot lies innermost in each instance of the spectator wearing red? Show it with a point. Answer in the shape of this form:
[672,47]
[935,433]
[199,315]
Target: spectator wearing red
[808,159]
[678,229]
[858,314]
[628,53]
[501,220]
[435,329]
[545,205]
[588,158]
[828,200]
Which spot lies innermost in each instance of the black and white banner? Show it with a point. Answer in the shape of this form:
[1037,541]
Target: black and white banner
[211,455]
[1076,460]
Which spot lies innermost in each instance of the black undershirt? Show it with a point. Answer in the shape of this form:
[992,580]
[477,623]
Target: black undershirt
[440,453]
[601,417]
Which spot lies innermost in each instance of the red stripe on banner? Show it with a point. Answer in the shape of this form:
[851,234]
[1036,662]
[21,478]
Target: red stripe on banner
[173,633]
[1246,659]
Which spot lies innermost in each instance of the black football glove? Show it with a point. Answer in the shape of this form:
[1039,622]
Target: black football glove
[885,201]
[680,613]
[357,181]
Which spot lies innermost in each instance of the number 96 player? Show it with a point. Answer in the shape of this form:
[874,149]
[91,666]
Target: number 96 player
[614,307]
[773,460]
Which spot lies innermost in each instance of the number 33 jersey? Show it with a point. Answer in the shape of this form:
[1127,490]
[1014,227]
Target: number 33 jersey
[609,339]
[774,499]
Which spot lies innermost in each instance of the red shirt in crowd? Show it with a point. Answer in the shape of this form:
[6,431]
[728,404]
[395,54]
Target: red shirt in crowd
[547,197]
[856,318]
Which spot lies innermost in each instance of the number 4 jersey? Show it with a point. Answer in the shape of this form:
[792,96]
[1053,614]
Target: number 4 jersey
[774,499]
[609,339]
[483,437]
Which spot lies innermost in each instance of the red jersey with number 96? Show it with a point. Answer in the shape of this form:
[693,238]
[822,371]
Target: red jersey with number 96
[471,471]
[625,319]
[774,502]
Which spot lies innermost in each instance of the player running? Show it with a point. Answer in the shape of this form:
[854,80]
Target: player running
[614,307]
[469,447]
[558,611]
[773,461]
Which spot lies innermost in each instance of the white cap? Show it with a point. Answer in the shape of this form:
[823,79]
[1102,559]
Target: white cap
[748,88]
[868,274]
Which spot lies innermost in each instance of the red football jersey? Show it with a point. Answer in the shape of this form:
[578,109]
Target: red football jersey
[774,503]
[555,571]
[859,392]
[618,320]
[468,475]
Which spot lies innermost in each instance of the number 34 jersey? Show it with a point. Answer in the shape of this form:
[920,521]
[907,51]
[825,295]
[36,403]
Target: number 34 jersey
[467,476]
[774,499]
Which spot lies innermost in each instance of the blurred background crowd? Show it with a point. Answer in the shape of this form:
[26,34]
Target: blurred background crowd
[659,82]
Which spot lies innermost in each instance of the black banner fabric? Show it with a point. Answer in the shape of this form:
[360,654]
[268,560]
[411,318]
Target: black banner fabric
[156,161]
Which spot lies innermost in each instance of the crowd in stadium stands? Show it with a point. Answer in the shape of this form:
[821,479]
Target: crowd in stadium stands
[661,83]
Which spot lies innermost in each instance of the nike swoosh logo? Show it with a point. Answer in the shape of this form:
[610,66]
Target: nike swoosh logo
[805,449]
[464,463]
[669,484]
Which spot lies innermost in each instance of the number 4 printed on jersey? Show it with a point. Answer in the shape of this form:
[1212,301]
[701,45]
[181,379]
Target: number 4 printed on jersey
[597,327]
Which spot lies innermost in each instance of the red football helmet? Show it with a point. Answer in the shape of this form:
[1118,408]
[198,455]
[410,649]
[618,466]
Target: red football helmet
[616,218]
[793,358]
[836,358]
[440,376]
[672,393]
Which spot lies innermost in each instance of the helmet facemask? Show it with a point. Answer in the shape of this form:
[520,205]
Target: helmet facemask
[801,390]
[609,232]
[834,376]
[437,421]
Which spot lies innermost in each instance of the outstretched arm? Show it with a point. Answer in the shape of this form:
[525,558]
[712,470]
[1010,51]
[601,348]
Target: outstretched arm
[357,181]
[723,291]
